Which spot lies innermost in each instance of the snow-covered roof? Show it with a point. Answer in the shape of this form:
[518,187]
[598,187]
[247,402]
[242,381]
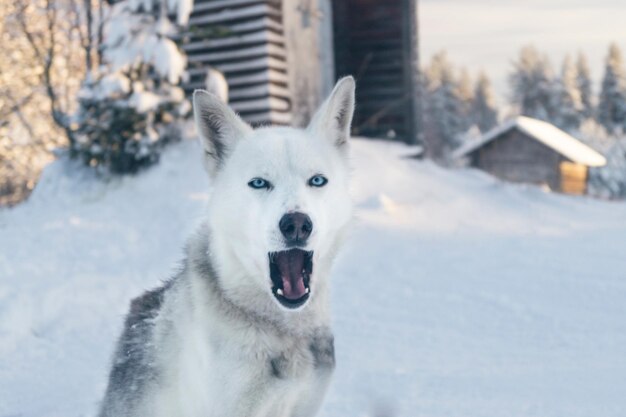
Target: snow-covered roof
[544,132]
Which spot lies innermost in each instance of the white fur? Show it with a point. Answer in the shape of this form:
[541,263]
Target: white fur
[213,349]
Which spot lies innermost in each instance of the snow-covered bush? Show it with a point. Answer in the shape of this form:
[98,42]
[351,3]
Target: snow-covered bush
[608,181]
[134,106]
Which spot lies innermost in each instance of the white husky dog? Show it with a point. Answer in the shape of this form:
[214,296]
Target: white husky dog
[244,330]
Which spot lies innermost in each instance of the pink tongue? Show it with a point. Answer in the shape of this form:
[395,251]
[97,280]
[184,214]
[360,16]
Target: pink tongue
[293,289]
[291,264]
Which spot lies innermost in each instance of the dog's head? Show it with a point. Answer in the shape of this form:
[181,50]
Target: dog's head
[280,204]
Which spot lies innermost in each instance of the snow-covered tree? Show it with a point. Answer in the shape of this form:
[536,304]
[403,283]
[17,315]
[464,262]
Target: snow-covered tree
[131,108]
[612,102]
[466,90]
[532,85]
[484,109]
[585,85]
[444,111]
[466,97]
[569,106]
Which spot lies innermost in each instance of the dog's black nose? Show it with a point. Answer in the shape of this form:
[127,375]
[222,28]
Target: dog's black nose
[296,228]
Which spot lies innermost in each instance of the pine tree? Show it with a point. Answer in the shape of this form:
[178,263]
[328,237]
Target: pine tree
[569,107]
[466,98]
[132,108]
[532,85]
[584,83]
[484,110]
[612,102]
[444,115]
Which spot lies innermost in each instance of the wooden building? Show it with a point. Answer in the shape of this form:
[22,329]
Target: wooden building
[282,57]
[532,151]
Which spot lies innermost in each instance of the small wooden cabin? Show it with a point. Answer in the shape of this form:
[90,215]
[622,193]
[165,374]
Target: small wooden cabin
[533,151]
[282,57]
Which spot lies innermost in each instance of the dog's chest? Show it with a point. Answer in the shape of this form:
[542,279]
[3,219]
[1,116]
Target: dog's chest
[261,379]
[293,376]
[309,355]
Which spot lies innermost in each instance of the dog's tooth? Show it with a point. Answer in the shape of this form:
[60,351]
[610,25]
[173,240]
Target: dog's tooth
[306,290]
[279,291]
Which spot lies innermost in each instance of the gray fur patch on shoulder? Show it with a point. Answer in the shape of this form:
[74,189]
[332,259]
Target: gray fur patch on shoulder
[133,363]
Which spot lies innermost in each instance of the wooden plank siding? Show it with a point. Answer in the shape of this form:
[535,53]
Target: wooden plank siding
[516,157]
[245,40]
[372,41]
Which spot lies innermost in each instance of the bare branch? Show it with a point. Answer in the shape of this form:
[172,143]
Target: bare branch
[58,115]
[16,105]
[83,24]
[16,109]
[100,30]
[89,24]
[46,58]
[21,18]
[77,23]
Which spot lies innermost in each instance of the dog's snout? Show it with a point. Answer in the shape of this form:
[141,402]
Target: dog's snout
[296,228]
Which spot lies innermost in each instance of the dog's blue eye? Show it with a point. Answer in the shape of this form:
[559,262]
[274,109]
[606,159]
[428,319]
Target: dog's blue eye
[318,181]
[258,183]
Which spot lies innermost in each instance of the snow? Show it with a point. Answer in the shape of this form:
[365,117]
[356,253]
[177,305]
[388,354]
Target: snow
[144,101]
[457,295]
[167,60]
[544,132]
[133,37]
[111,85]
[183,9]
[216,83]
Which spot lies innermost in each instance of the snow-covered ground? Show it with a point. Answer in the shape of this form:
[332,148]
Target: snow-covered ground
[458,295]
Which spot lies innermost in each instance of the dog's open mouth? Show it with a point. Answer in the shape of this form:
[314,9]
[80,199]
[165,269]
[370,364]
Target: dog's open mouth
[290,271]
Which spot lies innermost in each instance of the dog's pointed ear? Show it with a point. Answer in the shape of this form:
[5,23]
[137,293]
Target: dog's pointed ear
[334,118]
[218,126]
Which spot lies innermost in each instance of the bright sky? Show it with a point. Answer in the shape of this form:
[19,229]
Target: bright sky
[487,34]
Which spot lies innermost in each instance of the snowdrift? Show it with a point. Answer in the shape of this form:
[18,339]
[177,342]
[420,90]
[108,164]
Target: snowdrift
[458,295]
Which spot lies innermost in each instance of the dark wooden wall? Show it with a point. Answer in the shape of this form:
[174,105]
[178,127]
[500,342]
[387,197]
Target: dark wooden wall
[372,42]
[516,157]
